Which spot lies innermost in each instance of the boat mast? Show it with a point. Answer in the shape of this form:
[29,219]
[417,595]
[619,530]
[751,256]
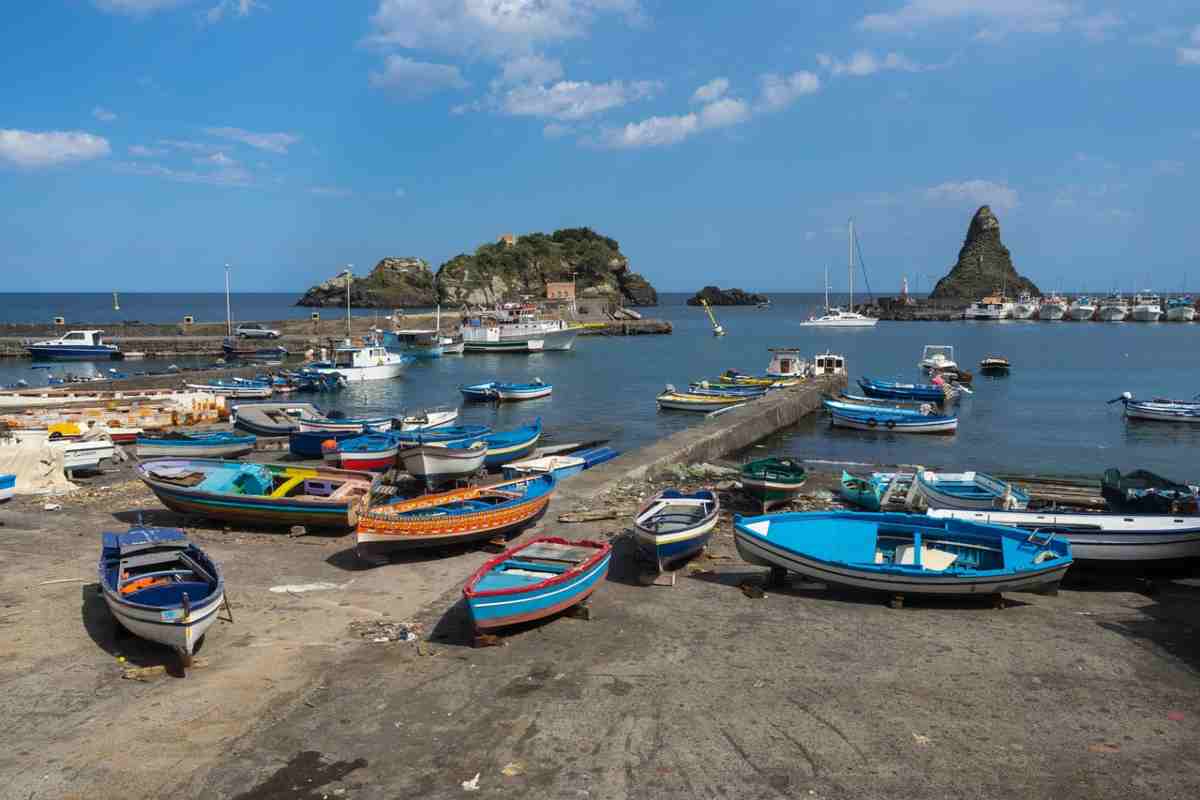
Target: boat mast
[826,290]
[349,276]
[228,316]
[850,306]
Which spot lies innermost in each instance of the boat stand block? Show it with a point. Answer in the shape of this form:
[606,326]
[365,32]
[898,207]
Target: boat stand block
[582,611]
[664,580]
[897,601]
[776,578]
[487,640]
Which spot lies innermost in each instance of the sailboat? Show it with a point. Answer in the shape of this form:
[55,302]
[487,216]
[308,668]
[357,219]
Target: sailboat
[234,348]
[835,317]
[716,326]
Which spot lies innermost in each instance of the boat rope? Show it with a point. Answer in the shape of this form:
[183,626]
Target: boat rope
[863,266]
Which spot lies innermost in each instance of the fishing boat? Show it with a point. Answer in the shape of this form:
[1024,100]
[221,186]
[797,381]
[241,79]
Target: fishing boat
[453,433]
[1113,309]
[272,419]
[444,461]
[371,362]
[452,345]
[866,493]
[1143,492]
[535,580]
[1161,410]
[893,390]
[773,480]
[734,378]
[689,401]
[938,357]
[517,331]
[993,307]
[732,390]
[495,391]
[1181,309]
[1053,308]
[1025,307]
[74,345]
[462,515]
[786,362]
[994,365]
[969,490]
[1146,307]
[904,554]
[372,451]
[1139,543]
[1082,310]
[415,343]
[235,388]
[561,466]
[8,485]
[331,424]
[161,587]
[506,446]
[835,317]
[195,445]
[673,527]
[429,419]
[267,494]
[925,409]
[717,330]
[888,420]
[311,444]
[828,363]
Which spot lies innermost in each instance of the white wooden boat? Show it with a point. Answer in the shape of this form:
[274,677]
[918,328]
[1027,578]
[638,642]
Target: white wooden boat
[438,461]
[968,490]
[673,527]
[429,419]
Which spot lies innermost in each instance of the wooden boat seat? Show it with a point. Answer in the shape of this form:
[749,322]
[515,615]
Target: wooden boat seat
[348,488]
[932,559]
[171,594]
[550,551]
[291,483]
[517,564]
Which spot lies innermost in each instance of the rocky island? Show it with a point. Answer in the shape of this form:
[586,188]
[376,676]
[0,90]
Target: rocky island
[984,265]
[511,269]
[726,297]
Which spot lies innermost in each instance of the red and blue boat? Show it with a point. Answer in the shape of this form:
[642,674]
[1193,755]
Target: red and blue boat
[373,451]
[535,580]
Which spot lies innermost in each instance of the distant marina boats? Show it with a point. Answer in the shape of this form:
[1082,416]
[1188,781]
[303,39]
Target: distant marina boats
[519,332]
[835,317]
[938,357]
[74,345]
[1181,309]
[1025,307]
[1159,410]
[372,362]
[992,307]
[413,342]
[1052,308]
[1082,310]
[1147,307]
[1113,309]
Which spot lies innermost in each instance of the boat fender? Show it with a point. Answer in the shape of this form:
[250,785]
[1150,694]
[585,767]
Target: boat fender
[329,445]
[871,423]
[891,423]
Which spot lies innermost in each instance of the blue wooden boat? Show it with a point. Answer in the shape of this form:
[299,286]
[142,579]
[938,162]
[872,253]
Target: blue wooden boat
[863,492]
[452,433]
[308,444]
[892,390]
[8,485]
[506,446]
[859,408]
[196,445]
[371,451]
[672,526]
[884,419]
[904,553]
[161,587]
[496,391]
[560,466]
[969,491]
[705,387]
[535,580]
[265,494]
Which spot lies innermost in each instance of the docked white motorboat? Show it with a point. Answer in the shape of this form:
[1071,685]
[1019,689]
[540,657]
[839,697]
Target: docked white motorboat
[829,364]
[786,362]
[1113,309]
[1052,308]
[938,357]
[1082,310]
[372,362]
[835,317]
[1147,307]
[516,331]
[1181,309]
[1025,307]
[992,307]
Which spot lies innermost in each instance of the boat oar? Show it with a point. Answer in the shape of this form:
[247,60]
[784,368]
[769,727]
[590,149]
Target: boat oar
[1124,396]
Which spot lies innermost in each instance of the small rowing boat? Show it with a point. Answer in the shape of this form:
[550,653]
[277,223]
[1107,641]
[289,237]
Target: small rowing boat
[452,433]
[234,388]
[195,445]
[673,527]
[1159,409]
[892,390]
[506,446]
[772,481]
[561,466]
[461,515]
[904,554]
[428,419]
[371,451]
[994,365]
[690,401]
[891,422]
[866,493]
[8,485]
[329,424]
[161,587]
[969,490]
[444,461]
[535,580]
[494,391]
[271,419]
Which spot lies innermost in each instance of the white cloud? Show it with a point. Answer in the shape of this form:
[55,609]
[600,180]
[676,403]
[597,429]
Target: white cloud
[237,8]
[489,27]
[864,63]
[574,100]
[103,114]
[724,112]
[415,79]
[1000,16]
[330,191]
[142,151]
[49,148]
[189,146]
[975,192]
[555,130]
[531,69]
[1190,56]
[1100,27]
[710,91]
[667,130]
[136,7]
[272,142]
[231,176]
[780,91]
[217,159]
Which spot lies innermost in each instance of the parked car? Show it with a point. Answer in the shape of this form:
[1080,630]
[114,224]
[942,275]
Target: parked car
[253,330]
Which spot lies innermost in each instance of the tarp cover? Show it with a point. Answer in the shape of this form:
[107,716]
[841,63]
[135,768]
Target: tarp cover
[37,465]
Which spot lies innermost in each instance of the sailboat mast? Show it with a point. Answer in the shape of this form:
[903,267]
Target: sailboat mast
[827,289]
[228,316]
[850,306]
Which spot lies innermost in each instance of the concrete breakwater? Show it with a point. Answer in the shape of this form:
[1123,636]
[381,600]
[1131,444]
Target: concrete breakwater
[298,336]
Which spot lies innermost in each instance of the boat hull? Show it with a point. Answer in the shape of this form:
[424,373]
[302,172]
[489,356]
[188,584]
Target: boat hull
[1146,313]
[271,419]
[504,449]
[1052,312]
[1181,314]
[495,610]
[894,424]
[442,463]
[987,493]
[1162,412]
[379,372]
[523,394]
[524,343]
[1082,313]
[8,485]
[373,461]
[148,449]
[145,622]
[1112,314]
[78,353]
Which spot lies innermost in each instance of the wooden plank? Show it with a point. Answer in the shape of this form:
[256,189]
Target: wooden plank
[548,551]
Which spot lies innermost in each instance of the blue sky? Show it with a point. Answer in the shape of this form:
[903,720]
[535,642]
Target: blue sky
[144,143]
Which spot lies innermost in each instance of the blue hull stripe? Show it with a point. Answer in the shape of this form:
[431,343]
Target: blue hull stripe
[493,611]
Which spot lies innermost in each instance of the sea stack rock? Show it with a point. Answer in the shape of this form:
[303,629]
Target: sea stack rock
[984,264]
[393,283]
[726,297]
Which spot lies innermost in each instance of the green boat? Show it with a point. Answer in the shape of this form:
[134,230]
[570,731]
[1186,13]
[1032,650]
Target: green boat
[863,492]
[773,480]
